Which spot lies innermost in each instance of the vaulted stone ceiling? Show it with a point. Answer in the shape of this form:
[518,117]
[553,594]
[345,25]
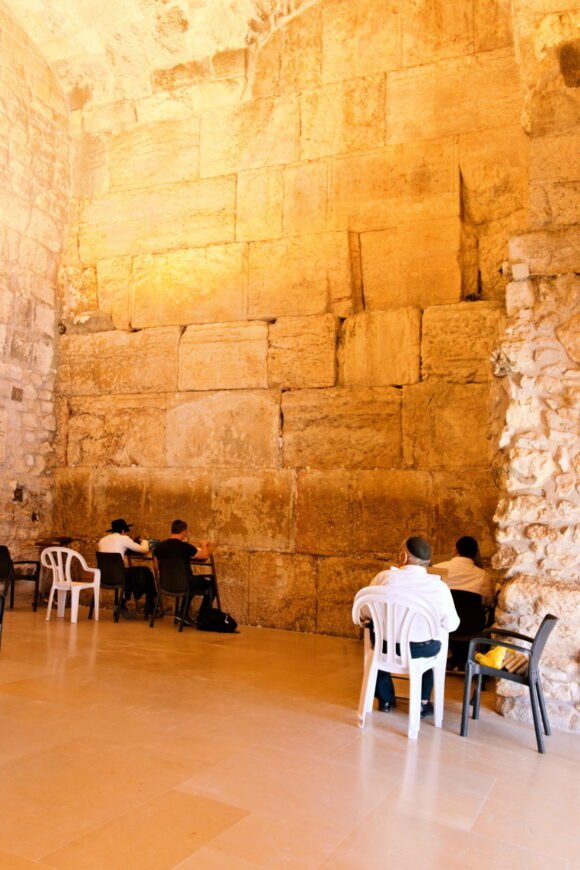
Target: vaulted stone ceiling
[103,51]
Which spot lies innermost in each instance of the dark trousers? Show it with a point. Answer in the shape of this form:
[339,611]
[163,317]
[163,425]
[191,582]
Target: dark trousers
[139,581]
[385,691]
[201,586]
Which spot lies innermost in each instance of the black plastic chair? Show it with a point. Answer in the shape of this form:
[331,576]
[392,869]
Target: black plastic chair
[530,679]
[2,608]
[9,575]
[472,622]
[173,578]
[113,576]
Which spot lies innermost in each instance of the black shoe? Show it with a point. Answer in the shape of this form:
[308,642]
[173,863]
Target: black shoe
[387,706]
[426,709]
[188,621]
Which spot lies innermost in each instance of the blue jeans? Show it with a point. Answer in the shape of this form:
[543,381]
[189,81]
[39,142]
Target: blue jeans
[385,691]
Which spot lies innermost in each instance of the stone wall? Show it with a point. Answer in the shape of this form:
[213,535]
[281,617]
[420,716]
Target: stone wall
[539,512]
[280,310]
[34,161]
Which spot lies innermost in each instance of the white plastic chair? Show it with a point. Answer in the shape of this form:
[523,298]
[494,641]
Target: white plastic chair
[393,618]
[60,561]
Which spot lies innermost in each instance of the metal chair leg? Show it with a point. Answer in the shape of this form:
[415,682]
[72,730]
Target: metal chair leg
[543,709]
[477,696]
[536,716]
[466,692]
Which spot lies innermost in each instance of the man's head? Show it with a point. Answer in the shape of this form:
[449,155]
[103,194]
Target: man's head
[120,527]
[467,547]
[415,551]
[179,528]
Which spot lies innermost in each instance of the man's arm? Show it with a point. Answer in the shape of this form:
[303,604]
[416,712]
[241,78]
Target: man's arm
[204,550]
[130,544]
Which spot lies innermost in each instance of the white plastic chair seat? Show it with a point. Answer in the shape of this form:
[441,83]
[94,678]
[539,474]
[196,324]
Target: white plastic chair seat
[393,618]
[60,561]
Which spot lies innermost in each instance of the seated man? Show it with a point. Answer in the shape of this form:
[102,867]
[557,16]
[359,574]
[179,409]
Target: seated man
[177,546]
[462,572]
[411,580]
[118,540]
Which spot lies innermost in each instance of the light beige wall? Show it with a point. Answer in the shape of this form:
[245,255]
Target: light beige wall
[34,164]
[280,310]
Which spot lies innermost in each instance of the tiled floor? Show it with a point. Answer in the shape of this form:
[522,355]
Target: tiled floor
[125,747]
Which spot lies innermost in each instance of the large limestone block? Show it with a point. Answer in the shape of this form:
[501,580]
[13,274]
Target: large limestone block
[478,92]
[492,252]
[347,116]
[345,427]
[238,428]
[361,512]
[464,505]
[187,494]
[359,38]
[301,52]
[147,155]
[116,430]
[189,100]
[381,347]
[302,352]
[188,214]
[120,492]
[190,286]
[259,205]
[89,165]
[548,253]
[225,356]
[457,341]
[446,425]
[233,573]
[114,280]
[412,264]
[256,510]
[72,512]
[494,170]
[305,198]
[435,29]
[394,185]
[283,591]
[300,276]
[118,362]
[249,135]
[339,579]
[492,24]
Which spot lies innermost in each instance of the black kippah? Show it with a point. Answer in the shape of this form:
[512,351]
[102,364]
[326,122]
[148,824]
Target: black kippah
[419,548]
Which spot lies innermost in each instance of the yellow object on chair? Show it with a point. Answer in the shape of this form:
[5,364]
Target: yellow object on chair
[492,659]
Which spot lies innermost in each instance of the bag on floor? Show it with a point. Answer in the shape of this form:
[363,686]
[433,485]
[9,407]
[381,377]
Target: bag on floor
[216,620]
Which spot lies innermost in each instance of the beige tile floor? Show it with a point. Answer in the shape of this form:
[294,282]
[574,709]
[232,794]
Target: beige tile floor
[126,747]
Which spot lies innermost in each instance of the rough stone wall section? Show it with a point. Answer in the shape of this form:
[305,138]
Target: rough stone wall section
[34,159]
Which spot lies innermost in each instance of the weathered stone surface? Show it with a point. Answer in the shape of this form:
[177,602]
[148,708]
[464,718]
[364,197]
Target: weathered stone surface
[394,185]
[118,362]
[569,334]
[301,52]
[554,204]
[215,429]
[249,135]
[345,427]
[492,252]
[464,505]
[187,494]
[305,198]
[116,430]
[300,276]
[361,512]
[188,214]
[446,425]
[360,38]
[339,579]
[189,100]
[381,347]
[114,290]
[233,572]
[457,341]
[190,286]
[73,502]
[435,30]
[453,96]
[77,289]
[259,204]
[255,510]
[283,591]
[494,170]
[492,24]
[225,356]
[348,116]
[108,117]
[302,352]
[89,165]
[548,253]
[118,492]
[412,264]
[147,155]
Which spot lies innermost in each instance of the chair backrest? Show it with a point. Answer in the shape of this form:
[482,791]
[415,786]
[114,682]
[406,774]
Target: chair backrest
[173,575]
[543,633]
[60,560]
[112,569]
[5,563]
[471,612]
[393,619]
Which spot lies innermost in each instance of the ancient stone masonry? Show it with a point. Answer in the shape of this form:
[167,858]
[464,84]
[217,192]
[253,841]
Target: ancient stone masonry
[34,186]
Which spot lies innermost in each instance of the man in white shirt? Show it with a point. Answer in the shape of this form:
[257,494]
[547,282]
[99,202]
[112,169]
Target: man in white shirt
[118,540]
[461,572]
[411,579]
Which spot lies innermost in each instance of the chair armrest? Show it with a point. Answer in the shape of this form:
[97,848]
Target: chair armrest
[505,633]
[488,641]
[26,562]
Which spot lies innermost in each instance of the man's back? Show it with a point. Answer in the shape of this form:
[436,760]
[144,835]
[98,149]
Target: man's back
[417,586]
[460,572]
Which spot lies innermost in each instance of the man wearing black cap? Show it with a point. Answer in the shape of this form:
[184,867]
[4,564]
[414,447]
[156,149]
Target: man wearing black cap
[118,540]
[411,580]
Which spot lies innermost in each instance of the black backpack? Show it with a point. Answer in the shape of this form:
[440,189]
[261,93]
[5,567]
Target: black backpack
[217,620]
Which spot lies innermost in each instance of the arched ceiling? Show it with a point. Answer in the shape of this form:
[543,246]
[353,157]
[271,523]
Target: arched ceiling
[111,50]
